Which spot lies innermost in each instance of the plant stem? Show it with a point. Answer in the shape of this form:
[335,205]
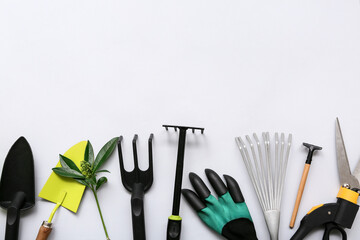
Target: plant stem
[102,219]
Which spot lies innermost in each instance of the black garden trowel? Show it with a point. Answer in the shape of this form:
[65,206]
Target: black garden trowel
[17,188]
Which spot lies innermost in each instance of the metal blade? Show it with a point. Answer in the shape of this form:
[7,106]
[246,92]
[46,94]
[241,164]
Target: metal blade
[18,175]
[343,163]
[356,171]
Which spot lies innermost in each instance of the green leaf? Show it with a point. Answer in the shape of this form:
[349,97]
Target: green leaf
[100,171]
[100,182]
[92,180]
[88,182]
[68,163]
[89,153]
[69,173]
[83,182]
[105,153]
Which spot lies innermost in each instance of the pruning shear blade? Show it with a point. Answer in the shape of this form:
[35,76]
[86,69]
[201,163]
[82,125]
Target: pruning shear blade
[346,177]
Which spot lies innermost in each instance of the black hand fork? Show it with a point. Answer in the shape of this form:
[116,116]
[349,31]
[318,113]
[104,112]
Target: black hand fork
[137,182]
[174,221]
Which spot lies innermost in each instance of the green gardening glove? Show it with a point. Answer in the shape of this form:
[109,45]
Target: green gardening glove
[228,215]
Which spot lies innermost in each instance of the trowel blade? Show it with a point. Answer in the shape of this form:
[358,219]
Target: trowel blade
[18,175]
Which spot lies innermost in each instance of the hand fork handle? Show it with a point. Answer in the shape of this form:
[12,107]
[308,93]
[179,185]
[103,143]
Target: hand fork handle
[137,211]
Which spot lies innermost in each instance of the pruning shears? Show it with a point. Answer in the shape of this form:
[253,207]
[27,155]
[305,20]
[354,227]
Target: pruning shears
[339,215]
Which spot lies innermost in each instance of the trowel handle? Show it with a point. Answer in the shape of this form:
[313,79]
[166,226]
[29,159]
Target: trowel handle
[137,211]
[44,231]
[13,216]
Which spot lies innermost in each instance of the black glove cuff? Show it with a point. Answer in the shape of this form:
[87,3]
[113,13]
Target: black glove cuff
[239,229]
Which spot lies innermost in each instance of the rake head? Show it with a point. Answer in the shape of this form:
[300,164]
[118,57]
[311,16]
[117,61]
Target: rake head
[136,176]
[184,128]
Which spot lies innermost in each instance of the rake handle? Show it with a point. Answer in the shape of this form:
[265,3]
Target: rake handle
[299,194]
[179,172]
[137,211]
[173,228]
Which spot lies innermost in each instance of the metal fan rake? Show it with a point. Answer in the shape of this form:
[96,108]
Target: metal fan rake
[266,165]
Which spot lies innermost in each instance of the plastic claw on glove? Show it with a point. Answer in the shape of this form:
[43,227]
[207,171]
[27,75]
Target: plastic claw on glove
[228,214]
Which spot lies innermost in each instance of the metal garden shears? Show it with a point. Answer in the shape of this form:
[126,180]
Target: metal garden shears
[339,215]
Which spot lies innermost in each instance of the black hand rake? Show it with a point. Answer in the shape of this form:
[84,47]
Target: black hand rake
[137,182]
[174,222]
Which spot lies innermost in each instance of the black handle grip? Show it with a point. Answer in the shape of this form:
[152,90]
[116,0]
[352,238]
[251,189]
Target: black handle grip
[174,229]
[13,216]
[332,226]
[137,211]
[337,216]
[316,218]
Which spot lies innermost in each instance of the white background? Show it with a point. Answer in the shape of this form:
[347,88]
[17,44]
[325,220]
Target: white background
[78,70]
